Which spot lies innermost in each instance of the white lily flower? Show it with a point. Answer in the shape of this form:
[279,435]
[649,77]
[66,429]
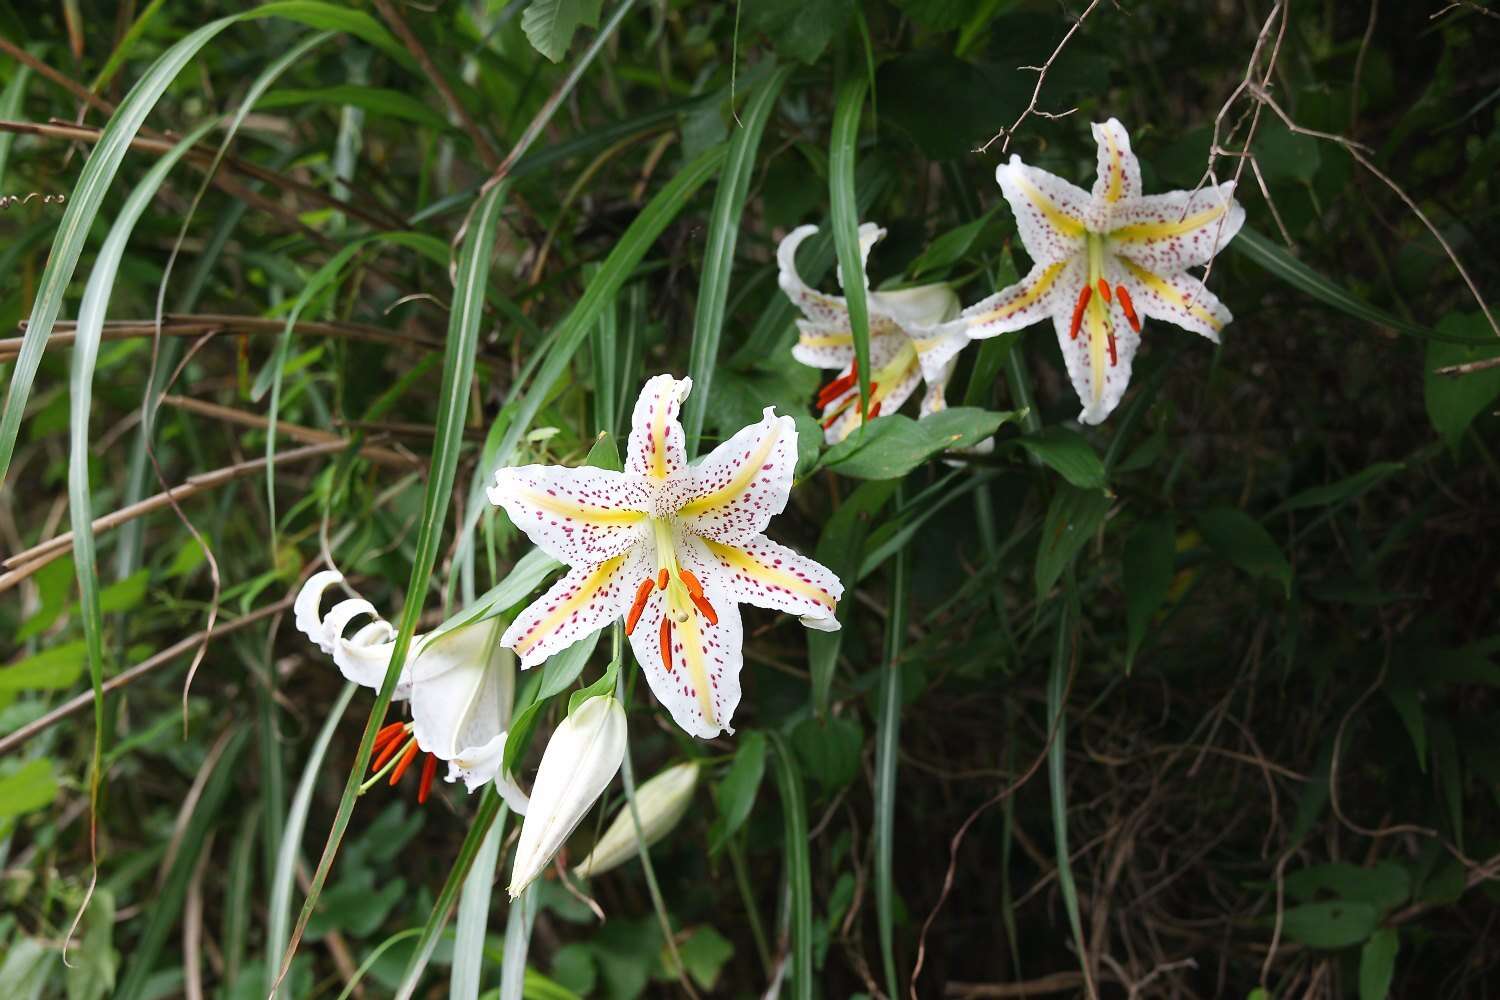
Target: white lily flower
[1103,260]
[581,759]
[673,549]
[660,803]
[460,684]
[910,340]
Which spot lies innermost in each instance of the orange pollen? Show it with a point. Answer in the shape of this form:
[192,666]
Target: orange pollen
[695,591]
[642,592]
[661,579]
[666,643]
[388,733]
[391,749]
[1083,302]
[1104,289]
[405,762]
[838,386]
[429,769]
[1129,307]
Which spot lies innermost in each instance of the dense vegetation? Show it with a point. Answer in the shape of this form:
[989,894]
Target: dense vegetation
[1196,702]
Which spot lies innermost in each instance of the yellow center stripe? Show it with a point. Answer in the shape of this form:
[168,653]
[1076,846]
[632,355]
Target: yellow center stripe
[1166,230]
[1156,284]
[1116,169]
[833,340]
[770,575]
[585,594]
[692,652]
[731,490]
[1047,279]
[1053,214]
[659,441]
[577,511]
[1098,323]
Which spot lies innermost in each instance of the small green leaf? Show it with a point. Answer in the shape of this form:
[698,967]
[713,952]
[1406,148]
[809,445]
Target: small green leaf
[829,750]
[56,668]
[376,100]
[550,24]
[603,687]
[1067,453]
[1384,886]
[735,795]
[1453,401]
[950,247]
[1148,563]
[1377,964]
[704,955]
[799,29]
[1072,519]
[27,789]
[1331,925]
[563,668]
[1242,540]
[1345,489]
[890,447]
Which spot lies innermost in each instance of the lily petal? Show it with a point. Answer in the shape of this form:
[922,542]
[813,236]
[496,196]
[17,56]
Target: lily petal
[917,307]
[584,600]
[1099,378]
[758,571]
[700,686]
[1119,177]
[1052,215]
[462,685]
[473,762]
[583,515]
[305,608]
[1180,229]
[889,394]
[825,310]
[363,658]
[739,486]
[1046,289]
[937,354]
[1179,299]
[656,448]
[869,235]
[820,346]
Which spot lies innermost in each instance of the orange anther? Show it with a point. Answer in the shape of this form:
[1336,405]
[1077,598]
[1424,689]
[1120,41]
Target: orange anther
[429,768]
[695,591]
[1129,308]
[874,411]
[1104,289]
[666,643]
[641,593]
[391,749]
[838,386]
[1114,358]
[388,733]
[1083,301]
[662,578]
[405,762]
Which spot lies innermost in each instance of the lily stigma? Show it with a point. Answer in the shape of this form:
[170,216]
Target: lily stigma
[910,341]
[1105,260]
[673,549]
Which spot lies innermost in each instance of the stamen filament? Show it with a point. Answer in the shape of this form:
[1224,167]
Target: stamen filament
[1082,304]
[838,386]
[641,594]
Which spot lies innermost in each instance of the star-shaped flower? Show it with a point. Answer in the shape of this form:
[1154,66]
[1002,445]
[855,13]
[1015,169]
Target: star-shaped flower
[1104,260]
[909,341]
[673,549]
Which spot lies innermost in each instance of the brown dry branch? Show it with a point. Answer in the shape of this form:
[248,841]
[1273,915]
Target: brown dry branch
[1036,92]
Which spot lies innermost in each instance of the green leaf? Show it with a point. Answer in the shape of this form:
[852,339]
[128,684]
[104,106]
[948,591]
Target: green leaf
[829,750]
[1072,518]
[799,29]
[601,688]
[1149,561]
[56,668]
[1242,540]
[562,668]
[1067,453]
[376,100]
[1377,964]
[1453,401]
[550,24]
[939,15]
[844,212]
[1331,925]
[798,868]
[891,446]
[1345,489]
[949,248]
[704,955]
[1384,886]
[27,789]
[735,794]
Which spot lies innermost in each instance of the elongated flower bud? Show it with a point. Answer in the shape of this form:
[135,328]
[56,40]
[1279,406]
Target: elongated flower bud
[580,761]
[660,803]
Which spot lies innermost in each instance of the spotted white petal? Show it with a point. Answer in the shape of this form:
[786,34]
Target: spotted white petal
[1119,177]
[584,600]
[738,487]
[1052,215]
[1179,299]
[656,449]
[761,572]
[577,516]
[824,310]
[1167,233]
[869,235]
[1046,290]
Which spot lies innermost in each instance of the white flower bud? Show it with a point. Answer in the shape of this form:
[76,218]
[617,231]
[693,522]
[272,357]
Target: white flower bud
[660,803]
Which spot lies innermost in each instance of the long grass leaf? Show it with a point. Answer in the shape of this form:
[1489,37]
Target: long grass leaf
[887,746]
[474,918]
[798,865]
[718,257]
[10,109]
[844,210]
[1057,784]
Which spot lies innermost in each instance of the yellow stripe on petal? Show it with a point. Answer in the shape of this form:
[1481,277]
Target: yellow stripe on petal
[742,477]
[564,611]
[1064,222]
[1117,169]
[1164,289]
[1043,284]
[577,511]
[1166,230]
[747,564]
[692,653]
[831,340]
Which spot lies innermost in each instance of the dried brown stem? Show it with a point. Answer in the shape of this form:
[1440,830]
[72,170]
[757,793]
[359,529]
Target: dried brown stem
[1036,92]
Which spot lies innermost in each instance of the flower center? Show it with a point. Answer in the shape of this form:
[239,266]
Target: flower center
[1093,307]
[843,392]
[684,597]
[395,750]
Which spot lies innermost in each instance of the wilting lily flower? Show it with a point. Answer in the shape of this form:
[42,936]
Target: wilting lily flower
[660,803]
[908,343]
[1103,261]
[581,759]
[460,683]
[673,549]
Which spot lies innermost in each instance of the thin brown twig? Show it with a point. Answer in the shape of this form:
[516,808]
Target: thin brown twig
[200,323]
[307,435]
[1036,92]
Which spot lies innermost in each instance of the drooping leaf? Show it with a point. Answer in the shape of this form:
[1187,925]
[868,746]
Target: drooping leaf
[550,24]
[1072,518]
[1453,401]
[1067,453]
[889,447]
[1242,540]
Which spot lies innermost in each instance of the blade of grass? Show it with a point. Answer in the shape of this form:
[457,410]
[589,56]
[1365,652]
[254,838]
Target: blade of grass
[474,918]
[845,214]
[10,109]
[1057,786]
[798,865]
[887,746]
[458,371]
[518,924]
[718,257]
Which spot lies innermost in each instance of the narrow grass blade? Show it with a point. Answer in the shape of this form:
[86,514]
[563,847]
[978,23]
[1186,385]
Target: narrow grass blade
[1057,785]
[798,864]
[474,918]
[718,257]
[10,109]
[458,371]
[518,926]
[887,745]
[844,209]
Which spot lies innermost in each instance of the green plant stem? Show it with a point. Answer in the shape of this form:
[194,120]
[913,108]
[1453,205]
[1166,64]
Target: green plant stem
[887,747]
[1057,685]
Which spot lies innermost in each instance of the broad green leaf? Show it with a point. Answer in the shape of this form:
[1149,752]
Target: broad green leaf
[1345,489]
[1242,540]
[1377,964]
[1149,560]
[703,954]
[949,248]
[735,794]
[376,100]
[1384,886]
[889,447]
[844,212]
[829,750]
[1067,453]
[1072,519]
[55,668]
[1453,401]
[27,789]
[799,29]
[91,974]
[562,668]
[1329,926]
[550,24]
